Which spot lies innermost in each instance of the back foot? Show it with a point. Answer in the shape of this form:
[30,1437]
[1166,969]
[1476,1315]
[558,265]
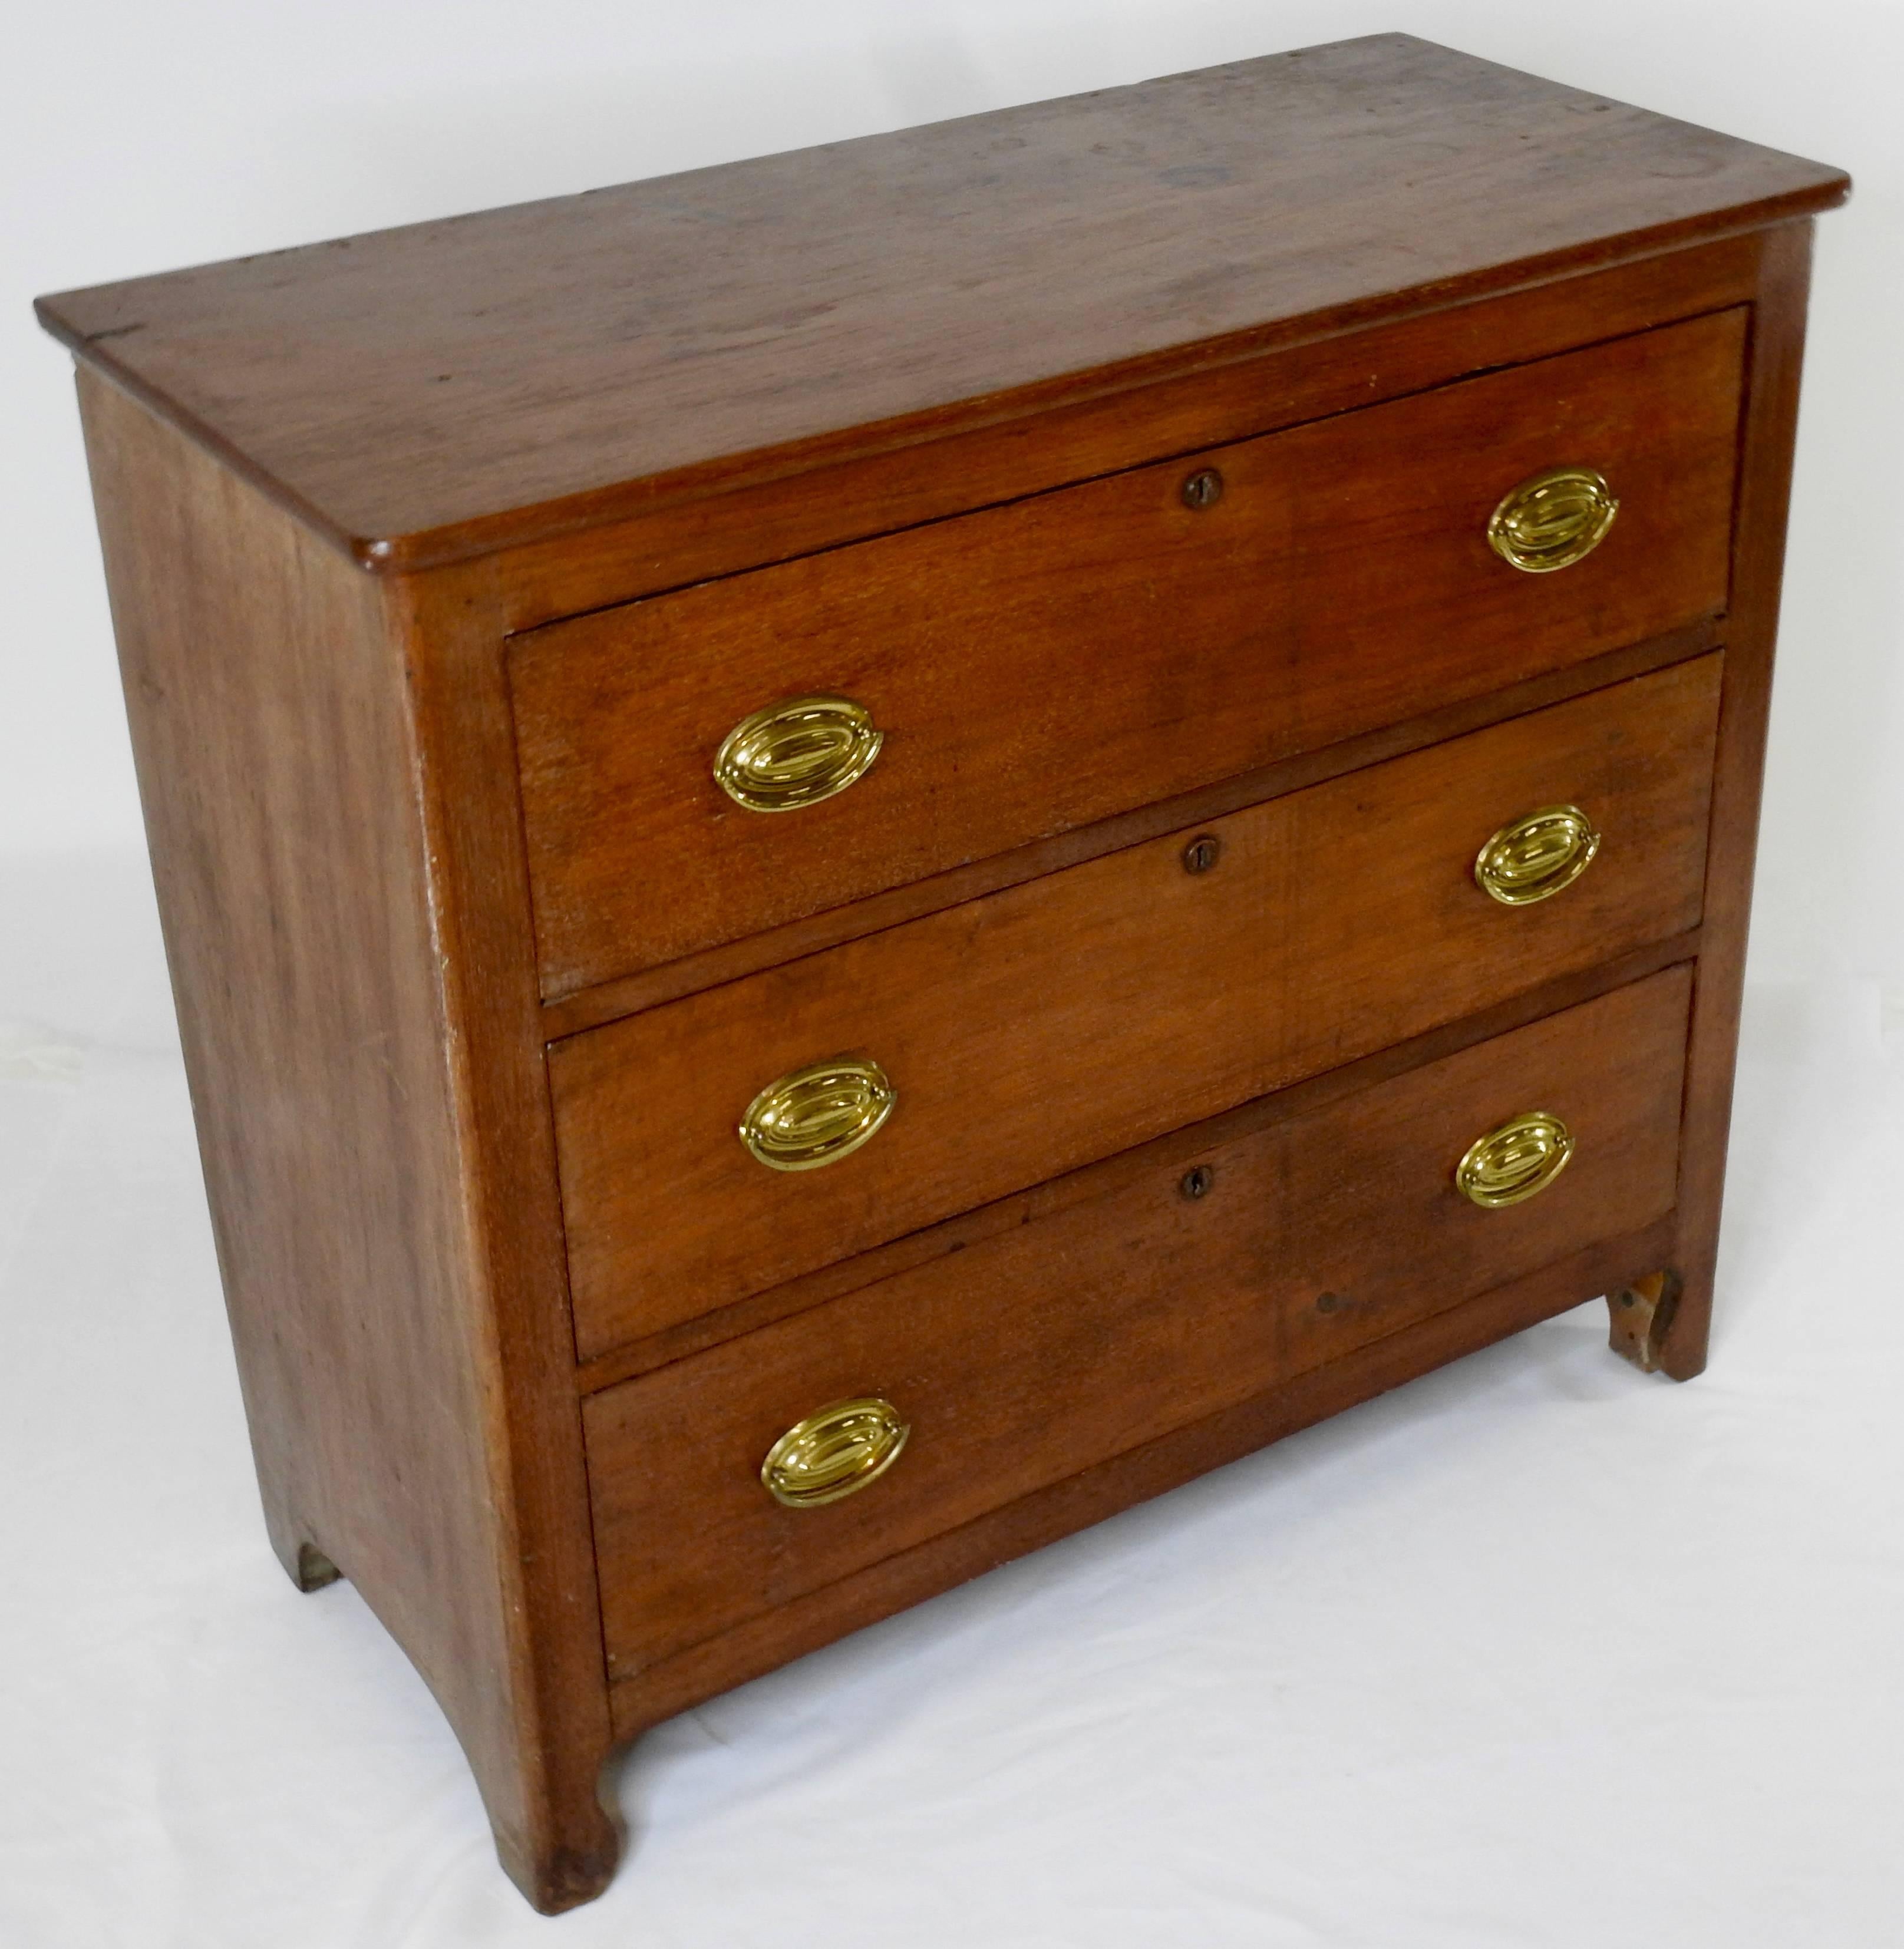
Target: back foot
[1641,1318]
[305,1564]
[312,1569]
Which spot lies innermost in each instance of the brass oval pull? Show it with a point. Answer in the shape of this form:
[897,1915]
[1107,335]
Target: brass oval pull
[1552,519]
[834,1452]
[796,753]
[817,1115]
[1516,1161]
[1532,857]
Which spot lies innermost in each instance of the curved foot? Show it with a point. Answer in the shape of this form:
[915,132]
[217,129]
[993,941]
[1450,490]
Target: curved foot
[567,1870]
[1641,1316]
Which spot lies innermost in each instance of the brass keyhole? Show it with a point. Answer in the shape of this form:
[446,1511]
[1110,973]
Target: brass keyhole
[1203,488]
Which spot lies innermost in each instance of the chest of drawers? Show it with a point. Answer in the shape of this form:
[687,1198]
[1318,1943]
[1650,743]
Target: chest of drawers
[865,853]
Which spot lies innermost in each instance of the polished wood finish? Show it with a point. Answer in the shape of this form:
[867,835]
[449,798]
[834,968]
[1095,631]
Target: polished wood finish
[593,1007]
[642,1698]
[1057,1345]
[1375,1236]
[670,543]
[1336,921]
[393,1415]
[1758,551]
[878,383]
[745,322]
[1179,1148]
[1175,645]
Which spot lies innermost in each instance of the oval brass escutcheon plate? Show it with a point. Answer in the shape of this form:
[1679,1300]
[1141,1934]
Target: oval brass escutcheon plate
[1515,1161]
[1532,857]
[796,753]
[836,1452]
[818,1115]
[1552,519]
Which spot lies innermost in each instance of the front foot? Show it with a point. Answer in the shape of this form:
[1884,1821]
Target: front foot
[561,1869]
[1641,1318]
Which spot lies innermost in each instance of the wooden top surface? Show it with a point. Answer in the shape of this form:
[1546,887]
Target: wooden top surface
[429,392]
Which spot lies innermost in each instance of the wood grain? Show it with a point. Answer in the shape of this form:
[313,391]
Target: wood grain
[448,388]
[1173,1152]
[1375,1237]
[592,1008]
[1765,487]
[1030,1032]
[1053,662]
[644,1697]
[675,541]
[266,685]
[1056,1345]
[458,696]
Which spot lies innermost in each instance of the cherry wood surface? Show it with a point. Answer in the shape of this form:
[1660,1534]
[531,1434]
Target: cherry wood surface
[1058,1344]
[1029,1032]
[447,387]
[1373,1235]
[649,1693]
[271,710]
[612,1001]
[672,542]
[1758,544]
[1046,664]
[483,955]
[1176,1150]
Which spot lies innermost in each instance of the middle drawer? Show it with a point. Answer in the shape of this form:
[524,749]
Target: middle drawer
[1042,1027]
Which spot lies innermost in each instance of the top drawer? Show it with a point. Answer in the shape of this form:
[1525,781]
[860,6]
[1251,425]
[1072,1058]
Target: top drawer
[1039,666]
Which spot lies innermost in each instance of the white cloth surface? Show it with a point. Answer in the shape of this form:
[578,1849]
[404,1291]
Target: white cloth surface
[1539,1652]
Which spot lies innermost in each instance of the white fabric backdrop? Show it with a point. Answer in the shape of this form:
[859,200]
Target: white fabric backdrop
[1539,1652]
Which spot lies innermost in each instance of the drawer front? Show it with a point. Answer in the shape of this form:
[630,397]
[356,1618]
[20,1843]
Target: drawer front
[1052,1023]
[1039,665]
[1040,1351]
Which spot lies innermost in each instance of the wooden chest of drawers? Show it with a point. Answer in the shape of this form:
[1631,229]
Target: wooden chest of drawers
[866,854]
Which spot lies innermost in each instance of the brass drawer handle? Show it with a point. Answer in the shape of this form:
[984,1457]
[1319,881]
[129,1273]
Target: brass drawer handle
[796,753]
[1515,1162]
[1552,519]
[817,1115]
[1532,857]
[834,1452]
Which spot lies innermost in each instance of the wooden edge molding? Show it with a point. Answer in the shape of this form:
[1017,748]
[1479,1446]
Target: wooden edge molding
[549,520]
[723,528]
[544,521]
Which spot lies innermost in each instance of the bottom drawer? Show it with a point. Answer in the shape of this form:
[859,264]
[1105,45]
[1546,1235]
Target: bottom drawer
[1041,1350]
